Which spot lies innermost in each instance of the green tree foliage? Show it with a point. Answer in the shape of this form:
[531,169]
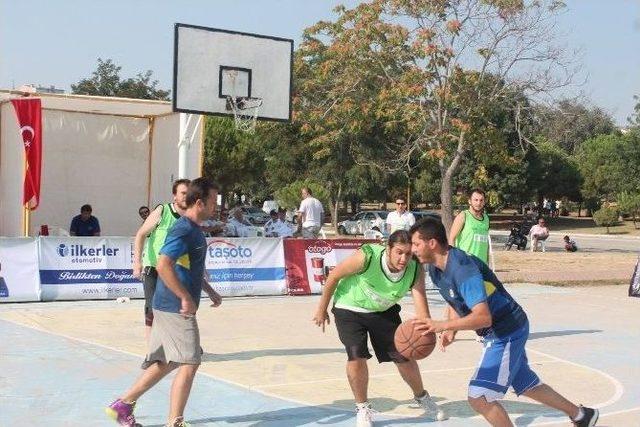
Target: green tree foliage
[609,165]
[289,196]
[629,203]
[569,123]
[553,173]
[233,159]
[606,217]
[106,81]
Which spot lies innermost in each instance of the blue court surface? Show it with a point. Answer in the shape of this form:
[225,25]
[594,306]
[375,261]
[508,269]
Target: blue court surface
[266,364]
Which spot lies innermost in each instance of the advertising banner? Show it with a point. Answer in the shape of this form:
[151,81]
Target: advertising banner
[74,268]
[309,262]
[246,266]
[19,279]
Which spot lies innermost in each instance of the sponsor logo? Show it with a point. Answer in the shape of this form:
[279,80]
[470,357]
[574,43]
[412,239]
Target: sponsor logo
[317,249]
[80,253]
[222,249]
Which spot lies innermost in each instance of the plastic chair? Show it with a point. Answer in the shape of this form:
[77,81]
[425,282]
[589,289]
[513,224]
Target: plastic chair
[541,243]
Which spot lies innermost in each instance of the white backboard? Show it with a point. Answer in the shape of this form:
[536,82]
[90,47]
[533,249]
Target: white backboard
[211,64]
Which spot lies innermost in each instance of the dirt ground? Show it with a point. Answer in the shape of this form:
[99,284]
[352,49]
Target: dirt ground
[561,267]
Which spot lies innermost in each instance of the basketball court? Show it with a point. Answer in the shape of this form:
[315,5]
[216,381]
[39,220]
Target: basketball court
[266,364]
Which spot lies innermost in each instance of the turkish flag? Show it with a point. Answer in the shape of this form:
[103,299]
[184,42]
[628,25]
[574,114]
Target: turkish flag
[29,112]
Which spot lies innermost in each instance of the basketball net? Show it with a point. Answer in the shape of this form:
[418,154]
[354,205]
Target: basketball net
[245,109]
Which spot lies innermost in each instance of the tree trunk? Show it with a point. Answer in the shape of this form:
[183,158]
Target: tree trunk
[334,209]
[446,191]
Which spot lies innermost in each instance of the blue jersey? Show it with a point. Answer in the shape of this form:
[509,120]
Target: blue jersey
[187,247]
[467,281]
[85,228]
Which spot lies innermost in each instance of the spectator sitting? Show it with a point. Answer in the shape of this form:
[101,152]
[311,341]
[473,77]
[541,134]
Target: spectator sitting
[282,228]
[144,212]
[270,226]
[237,225]
[539,233]
[212,227]
[85,224]
[570,245]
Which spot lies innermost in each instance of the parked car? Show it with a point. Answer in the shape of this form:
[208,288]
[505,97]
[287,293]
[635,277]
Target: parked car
[255,215]
[363,221]
[418,215]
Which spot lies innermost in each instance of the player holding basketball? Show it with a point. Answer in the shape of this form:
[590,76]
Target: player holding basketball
[175,338]
[366,288]
[478,301]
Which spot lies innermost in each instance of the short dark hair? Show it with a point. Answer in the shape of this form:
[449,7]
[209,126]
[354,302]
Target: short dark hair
[273,212]
[308,190]
[143,207]
[430,228]
[178,182]
[86,208]
[199,189]
[282,210]
[479,191]
[401,197]
[399,237]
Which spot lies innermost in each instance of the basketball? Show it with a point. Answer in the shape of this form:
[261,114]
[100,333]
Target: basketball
[411,344]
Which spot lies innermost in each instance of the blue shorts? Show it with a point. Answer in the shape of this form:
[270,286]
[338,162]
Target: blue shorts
[503,364]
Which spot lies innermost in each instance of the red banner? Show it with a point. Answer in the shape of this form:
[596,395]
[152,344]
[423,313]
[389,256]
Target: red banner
[29,114]
[308,262]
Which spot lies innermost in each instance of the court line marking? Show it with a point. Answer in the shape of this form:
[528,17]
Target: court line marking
[617,385]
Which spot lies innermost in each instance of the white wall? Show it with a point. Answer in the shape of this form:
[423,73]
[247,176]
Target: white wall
[96,159]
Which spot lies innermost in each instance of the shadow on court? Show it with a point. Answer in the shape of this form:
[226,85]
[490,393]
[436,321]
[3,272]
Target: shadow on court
[250,355]
[548,334]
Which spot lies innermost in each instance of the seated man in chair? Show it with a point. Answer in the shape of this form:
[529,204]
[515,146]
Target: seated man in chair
[538,234]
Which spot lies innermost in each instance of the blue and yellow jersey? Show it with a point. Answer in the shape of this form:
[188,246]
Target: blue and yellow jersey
[467,281]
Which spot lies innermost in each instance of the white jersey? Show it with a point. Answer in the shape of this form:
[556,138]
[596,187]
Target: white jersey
[312,210]
[395,221]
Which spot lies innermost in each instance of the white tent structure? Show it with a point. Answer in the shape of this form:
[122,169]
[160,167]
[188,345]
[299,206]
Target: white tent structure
[115,154]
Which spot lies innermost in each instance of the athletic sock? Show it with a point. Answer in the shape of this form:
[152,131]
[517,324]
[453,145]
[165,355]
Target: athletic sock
[363,405]
[580,414]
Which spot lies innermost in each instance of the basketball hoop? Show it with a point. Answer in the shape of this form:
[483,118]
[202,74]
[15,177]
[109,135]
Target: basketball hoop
[245,112]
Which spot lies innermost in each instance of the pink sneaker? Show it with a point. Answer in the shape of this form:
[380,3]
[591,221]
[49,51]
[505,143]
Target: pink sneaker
[122,413]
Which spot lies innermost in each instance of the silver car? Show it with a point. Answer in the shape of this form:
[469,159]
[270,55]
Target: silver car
[363,221]
[254,215]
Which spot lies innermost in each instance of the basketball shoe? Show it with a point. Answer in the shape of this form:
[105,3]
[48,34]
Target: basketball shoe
[364,415]
[589,418]
[430,407]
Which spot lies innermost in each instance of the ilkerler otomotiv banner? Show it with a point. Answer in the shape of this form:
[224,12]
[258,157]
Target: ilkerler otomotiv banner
[246,266]
[19,270]
[310,261]
[73,268]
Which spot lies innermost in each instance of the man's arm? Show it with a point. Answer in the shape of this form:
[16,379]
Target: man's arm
[97,232]
[480,317]
[169,277]
[214,296]
[350,266]
[145,229]
[419,295]
[72,228]
[456,228]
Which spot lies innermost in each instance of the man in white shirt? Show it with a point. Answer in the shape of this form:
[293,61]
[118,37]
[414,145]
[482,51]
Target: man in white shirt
[282,227]
[400,219]
[237,225]
[310,215]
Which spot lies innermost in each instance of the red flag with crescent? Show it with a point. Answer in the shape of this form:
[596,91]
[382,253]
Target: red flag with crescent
[29,112]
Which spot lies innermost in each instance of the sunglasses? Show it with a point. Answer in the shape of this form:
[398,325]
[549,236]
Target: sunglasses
[400,203]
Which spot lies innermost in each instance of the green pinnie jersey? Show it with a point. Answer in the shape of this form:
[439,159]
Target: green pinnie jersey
[157,237]
[474,236]
[371,290]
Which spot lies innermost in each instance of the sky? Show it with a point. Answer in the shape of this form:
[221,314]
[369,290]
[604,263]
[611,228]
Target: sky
[57,42]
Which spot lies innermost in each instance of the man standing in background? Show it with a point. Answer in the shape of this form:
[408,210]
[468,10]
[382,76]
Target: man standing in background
[470,229]
[310,215]
[400,219]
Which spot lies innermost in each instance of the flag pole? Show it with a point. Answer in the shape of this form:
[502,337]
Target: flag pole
[26,213]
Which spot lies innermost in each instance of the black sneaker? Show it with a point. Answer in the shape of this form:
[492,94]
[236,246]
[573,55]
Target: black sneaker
[590,418]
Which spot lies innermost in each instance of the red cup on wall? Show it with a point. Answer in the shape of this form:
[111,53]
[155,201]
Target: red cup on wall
[317,264]
[44,230]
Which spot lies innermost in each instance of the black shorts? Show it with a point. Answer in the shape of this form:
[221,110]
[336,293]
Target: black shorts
[353,328]
[150,277]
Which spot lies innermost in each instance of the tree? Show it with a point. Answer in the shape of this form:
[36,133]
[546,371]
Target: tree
[609,165]
[106,81]
[569,123]
[629,203]
[436,70]
[634,119]
[606,217]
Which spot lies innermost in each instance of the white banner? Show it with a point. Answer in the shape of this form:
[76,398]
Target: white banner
[19,270]
[246,266]
[74,268]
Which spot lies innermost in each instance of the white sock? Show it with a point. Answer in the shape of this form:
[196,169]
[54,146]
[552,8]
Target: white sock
[363,405]
[580,414]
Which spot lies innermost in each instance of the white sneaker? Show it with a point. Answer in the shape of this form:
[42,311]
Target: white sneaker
[364,416]
[430,407]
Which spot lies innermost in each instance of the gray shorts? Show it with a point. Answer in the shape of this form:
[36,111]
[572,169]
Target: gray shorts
[311,232]
[174,338]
